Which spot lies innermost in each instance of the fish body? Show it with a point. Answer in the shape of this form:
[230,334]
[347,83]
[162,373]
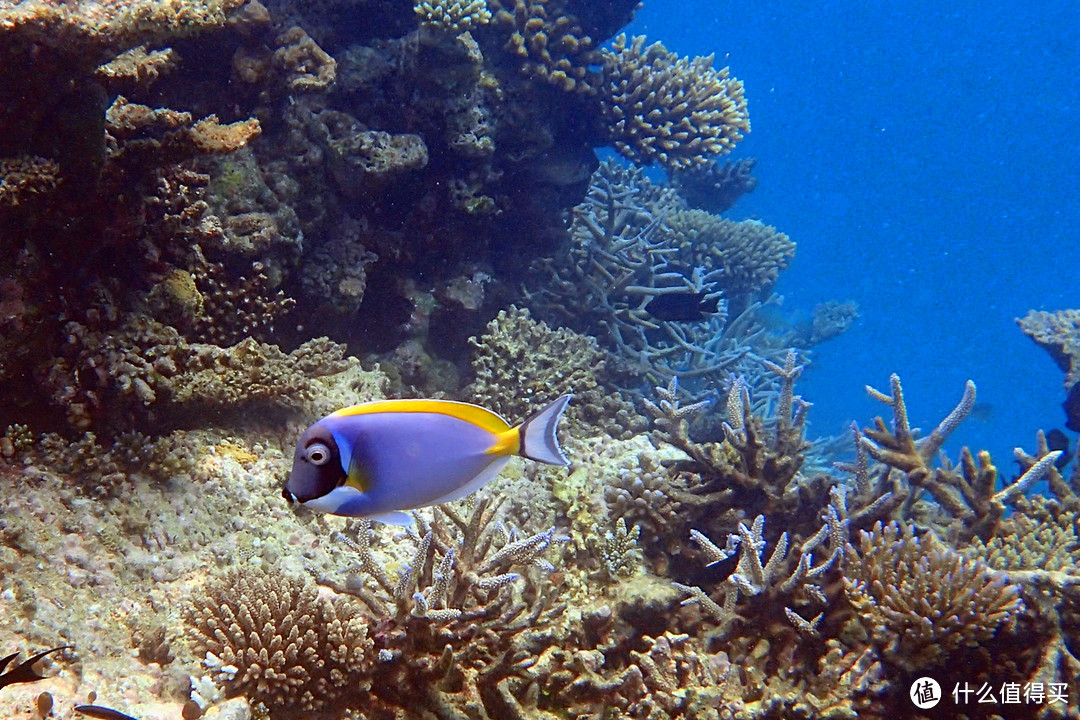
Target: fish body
[382,458]
[683,307]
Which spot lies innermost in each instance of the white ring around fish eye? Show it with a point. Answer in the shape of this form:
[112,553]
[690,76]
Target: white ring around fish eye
[318,454]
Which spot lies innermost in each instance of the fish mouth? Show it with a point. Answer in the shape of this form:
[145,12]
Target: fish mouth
[289,497]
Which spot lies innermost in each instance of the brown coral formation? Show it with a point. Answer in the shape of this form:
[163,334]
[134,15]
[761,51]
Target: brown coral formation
[551,43]
[24,177]
[670,110]
[275,640]
[922,600]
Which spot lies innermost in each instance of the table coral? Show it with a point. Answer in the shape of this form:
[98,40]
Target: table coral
[666,109]
[748,254]
[1059,334]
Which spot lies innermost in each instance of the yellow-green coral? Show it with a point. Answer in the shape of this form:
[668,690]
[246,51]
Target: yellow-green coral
[673,111]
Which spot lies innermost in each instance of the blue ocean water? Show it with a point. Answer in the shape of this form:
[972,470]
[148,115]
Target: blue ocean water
[925,157]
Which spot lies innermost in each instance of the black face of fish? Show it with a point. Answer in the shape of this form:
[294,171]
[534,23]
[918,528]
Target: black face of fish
[316,466]
[682,307]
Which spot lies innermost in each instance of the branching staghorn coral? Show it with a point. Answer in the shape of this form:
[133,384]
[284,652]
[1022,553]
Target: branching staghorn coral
[462,616]
[621,257]
[773,585]
[968,494]
[758,460]
[671,110]
[920,599]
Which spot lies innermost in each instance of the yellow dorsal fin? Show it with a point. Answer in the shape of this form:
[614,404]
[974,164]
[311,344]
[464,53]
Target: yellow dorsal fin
[468,412]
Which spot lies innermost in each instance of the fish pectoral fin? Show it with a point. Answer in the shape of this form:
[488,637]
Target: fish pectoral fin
[394,517]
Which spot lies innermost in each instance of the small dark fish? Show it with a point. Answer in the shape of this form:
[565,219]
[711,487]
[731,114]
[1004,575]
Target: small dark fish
[103,713]
[24,672]
[1057,440]
[982,412]
[683,307]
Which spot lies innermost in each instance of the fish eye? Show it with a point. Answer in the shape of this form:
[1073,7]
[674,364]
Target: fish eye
[318,454]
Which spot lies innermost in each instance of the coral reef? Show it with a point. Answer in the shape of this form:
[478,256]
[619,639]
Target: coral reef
[634,247]
[715,187]
[671,110]
[520,363]
[276,641]
[921,600]
[218,213]
[1059,334]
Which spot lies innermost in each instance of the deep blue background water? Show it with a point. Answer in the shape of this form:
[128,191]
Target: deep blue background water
[925,158]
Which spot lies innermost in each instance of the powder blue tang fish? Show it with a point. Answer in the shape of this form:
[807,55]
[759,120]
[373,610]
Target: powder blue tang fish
[382,458]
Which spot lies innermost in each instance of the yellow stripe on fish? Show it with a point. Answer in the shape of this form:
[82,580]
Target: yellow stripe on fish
[481,417]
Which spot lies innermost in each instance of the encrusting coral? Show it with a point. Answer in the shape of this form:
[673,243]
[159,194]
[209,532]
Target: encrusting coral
[671,110]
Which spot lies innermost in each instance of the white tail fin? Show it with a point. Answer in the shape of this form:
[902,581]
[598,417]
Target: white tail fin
[539,434]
